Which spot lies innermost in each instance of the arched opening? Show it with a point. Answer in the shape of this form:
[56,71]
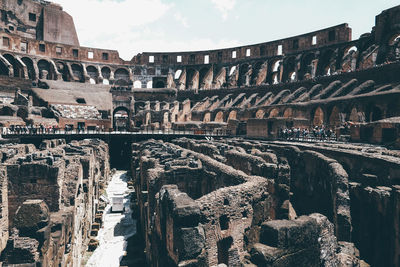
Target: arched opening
[202,75]
[106,82]
[219,117]
[93,73]
[289,69]
[207,117]
[244,68]
[350,50]
[274,77]
[191,79]
[318,118]
[256,70]
[121,119]
[334,118]
[232,115]
[232,70]
[137,84]
[178,74]
[77,70]
[275,66]
[122,74]
[63,69]
[306,66]
[18,68]
[274,113]
[137,71]
[376,114]
[260,114]
[29,65]
[44,69]
[159,84]
[149,84]
[325,62]
[288,113]
[106,73]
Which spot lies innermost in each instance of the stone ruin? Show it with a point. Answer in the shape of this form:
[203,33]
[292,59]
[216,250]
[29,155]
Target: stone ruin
[49,200]
[258,203]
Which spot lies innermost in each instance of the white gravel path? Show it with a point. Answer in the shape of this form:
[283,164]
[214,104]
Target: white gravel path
[116,229]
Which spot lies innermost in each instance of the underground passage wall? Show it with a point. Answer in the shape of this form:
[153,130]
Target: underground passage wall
[224,201]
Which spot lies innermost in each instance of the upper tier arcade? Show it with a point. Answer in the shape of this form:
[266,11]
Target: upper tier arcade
[39,41]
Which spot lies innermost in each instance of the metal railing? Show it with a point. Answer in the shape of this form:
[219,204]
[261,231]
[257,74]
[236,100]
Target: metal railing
[6,132]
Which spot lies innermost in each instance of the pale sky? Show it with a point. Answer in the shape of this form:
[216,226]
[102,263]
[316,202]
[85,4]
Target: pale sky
[134,26]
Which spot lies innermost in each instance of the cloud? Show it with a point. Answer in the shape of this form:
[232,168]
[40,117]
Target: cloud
[107,23]
[224,6]
[183,20]
[133,26]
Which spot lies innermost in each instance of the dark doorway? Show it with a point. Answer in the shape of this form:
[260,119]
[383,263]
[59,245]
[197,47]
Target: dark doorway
[223,250]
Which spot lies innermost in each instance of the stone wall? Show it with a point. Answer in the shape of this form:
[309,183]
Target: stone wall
[52,199]
[210,214]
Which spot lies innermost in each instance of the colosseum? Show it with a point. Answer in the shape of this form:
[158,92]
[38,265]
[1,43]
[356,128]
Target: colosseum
[283,153]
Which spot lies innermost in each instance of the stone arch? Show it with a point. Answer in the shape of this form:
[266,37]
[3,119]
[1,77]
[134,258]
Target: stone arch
[77,70]
[121,117]
[121,74]
[17,66]
[306,65]
[207,117]
[256,70]
[137,84]
[274,71]
[325,62]
[93,73]
[374,113]
[30,68]
[288,113]
[243,69]
[349,50]
[192,81]
[202,74]
[274,113]
[44,67]
[260,114]
[62,68]
[289,69]
[334,117]
[318,117]
[232,115]
[219,117]
[106,74]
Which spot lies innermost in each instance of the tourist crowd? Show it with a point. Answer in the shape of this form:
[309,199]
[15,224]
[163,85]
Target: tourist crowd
[316,133]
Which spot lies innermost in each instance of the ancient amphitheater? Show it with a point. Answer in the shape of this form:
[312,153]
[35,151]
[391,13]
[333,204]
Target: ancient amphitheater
[284,153]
